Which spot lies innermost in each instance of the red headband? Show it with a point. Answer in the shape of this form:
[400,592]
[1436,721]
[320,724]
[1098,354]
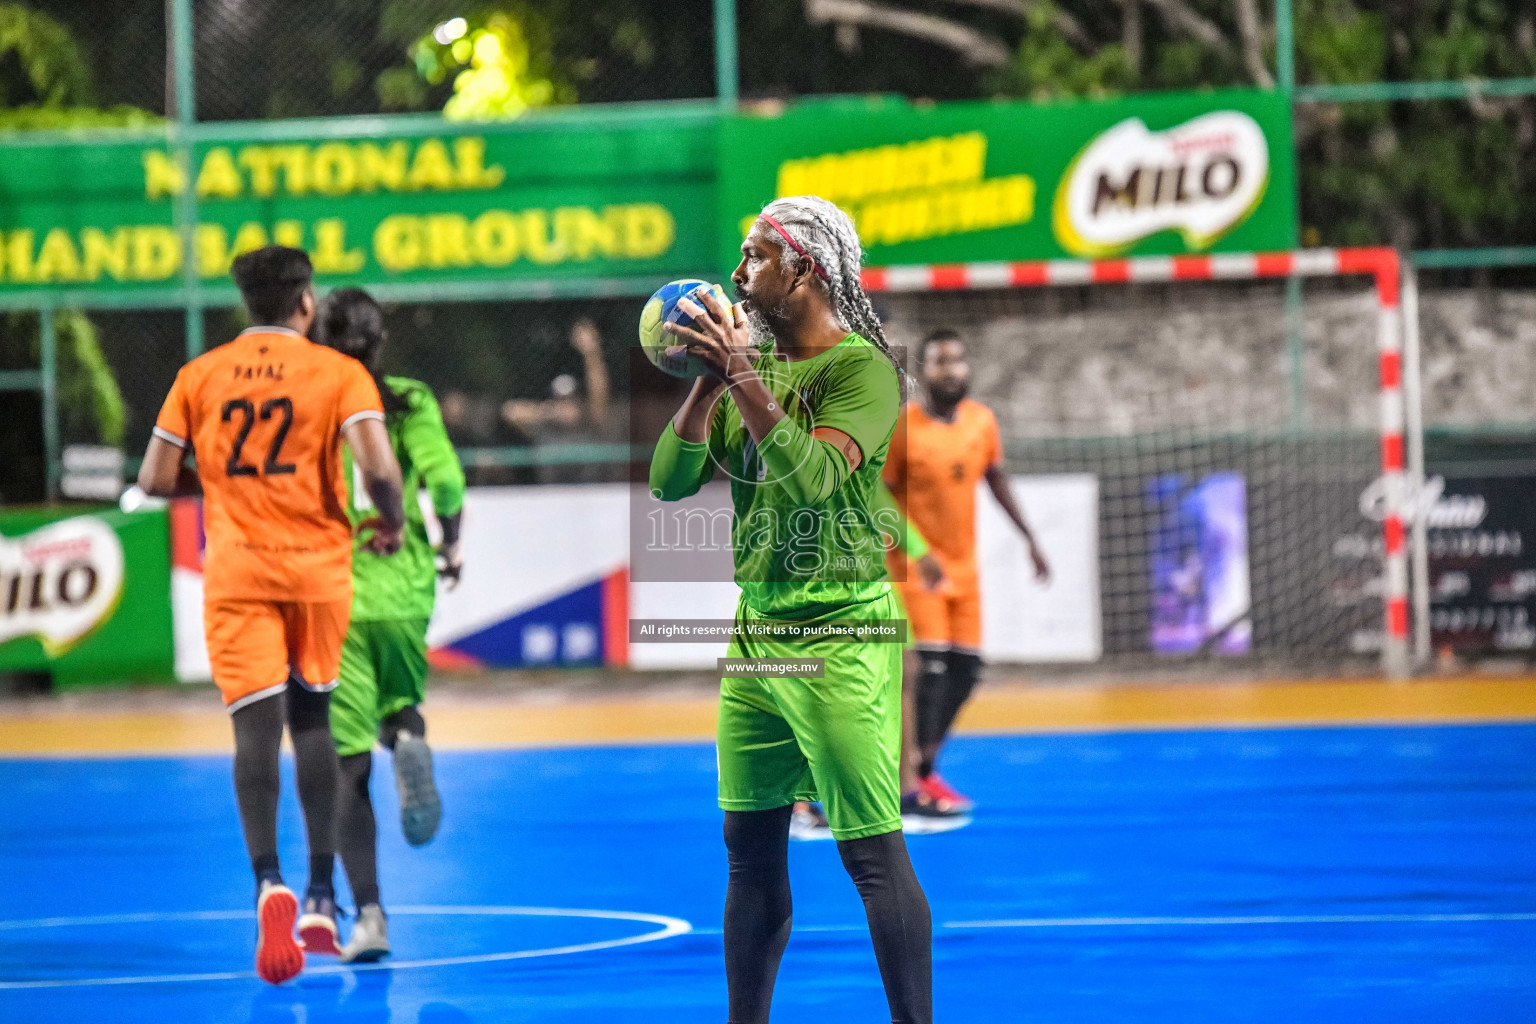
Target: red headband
[796,246]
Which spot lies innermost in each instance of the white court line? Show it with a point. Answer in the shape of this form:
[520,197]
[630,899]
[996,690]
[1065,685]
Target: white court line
[1140,922]
[1176,922]
[669,926]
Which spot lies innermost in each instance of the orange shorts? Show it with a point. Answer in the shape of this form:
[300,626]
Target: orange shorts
[254,646]
[948,618]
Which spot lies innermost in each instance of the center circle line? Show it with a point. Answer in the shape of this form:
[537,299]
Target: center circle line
[668,928]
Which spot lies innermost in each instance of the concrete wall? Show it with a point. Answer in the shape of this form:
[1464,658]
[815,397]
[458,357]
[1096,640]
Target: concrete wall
[1089,362]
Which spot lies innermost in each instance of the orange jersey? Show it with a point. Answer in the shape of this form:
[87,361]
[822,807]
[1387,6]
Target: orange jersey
[934,475]
[264,414]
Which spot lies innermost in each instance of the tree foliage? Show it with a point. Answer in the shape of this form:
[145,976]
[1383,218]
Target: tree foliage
[1410,174]
[46,83]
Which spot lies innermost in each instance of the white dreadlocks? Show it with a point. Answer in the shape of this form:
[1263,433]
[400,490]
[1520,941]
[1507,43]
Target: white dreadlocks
[828,235]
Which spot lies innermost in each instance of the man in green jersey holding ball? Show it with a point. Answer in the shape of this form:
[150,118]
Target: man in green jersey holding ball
[384,657]
[802,429]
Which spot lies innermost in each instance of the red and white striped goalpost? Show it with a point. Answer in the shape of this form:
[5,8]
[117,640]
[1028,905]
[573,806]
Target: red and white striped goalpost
[1380,264]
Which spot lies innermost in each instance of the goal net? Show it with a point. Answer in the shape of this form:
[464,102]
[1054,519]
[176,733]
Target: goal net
[1233,439]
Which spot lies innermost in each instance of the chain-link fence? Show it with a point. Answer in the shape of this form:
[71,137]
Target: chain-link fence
[531,392]
[300,58]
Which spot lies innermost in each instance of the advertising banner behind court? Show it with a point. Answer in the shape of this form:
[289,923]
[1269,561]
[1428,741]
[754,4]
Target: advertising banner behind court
[85,597]
[1482,566]
[970,182]
[536,202]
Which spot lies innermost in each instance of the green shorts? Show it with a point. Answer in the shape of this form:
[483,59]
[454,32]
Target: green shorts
[383,669]
[836,739]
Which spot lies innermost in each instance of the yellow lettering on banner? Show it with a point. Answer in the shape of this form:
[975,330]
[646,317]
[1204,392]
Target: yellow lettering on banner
[249,236]
[496,238]
[258,160]
[448,241]
[792,179]
[883,170]
[469,150]
[162,175]
[294,162]
[881,175]
[989,212]
[156,252]
[538,242]
[1018,198]
[431,168]
[289,233]
[213,255]
[649,230]
[105,253]
[331,255]
[218,176]
[397,243]
[18,255]
[384,167]
[931,213]
[58,260]
[966,157]
[584,233]
[333,171]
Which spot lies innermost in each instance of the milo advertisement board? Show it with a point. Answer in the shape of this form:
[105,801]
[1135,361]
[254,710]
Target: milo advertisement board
[85,596]
[1173,174]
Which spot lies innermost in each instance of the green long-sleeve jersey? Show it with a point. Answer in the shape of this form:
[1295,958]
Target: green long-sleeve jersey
[403,585]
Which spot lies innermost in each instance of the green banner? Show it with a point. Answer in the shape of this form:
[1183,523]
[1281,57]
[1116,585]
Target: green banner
[970,182]
[534,202]
[86,597]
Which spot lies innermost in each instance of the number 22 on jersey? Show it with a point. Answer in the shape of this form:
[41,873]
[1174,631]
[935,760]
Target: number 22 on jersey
[245,411]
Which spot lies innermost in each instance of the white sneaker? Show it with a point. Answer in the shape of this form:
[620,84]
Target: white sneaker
[806,822]
[369,940]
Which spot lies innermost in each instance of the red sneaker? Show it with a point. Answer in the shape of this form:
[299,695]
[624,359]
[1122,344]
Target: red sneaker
[278,955]
[936,788]
[317,926]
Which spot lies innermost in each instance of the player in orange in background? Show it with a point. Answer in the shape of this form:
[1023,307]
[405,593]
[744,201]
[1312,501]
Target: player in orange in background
[265,415]
[952,443]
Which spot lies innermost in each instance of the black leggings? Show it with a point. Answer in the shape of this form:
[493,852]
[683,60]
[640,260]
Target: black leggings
[357,831]
[944,685]
[758,915]
[258,742]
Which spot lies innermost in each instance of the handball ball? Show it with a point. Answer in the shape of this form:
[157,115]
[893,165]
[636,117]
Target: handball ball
[666,350]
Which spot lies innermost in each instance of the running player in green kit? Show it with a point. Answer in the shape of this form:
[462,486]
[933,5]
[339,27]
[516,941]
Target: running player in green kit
[802,429]
[384,658]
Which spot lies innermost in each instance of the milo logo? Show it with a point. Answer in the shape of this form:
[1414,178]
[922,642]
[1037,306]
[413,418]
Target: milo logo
[59,582]
[1201,178]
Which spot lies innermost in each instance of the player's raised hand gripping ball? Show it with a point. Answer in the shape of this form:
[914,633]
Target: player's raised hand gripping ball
[664,350]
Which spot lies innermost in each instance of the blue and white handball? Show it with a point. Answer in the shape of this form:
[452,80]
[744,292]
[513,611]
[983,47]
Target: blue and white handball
[663,349]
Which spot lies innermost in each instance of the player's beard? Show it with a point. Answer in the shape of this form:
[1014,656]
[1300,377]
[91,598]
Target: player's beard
[948,394]
[760,324]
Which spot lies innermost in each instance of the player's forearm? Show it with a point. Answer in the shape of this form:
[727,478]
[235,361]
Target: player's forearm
[760,413]
[597,385]
[432,454]
[678,467]
[998,482]
[188,483]
[691,422]
[385,490]
[451,525]
[164,472]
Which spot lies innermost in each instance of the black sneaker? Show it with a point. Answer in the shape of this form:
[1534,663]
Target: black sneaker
[922,816]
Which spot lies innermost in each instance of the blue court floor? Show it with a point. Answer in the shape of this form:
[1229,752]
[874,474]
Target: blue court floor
[1293,875]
